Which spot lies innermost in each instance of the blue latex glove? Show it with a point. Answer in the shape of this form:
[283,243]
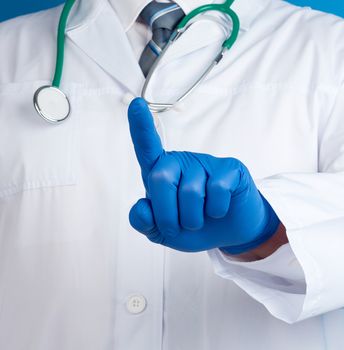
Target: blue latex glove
[195,201]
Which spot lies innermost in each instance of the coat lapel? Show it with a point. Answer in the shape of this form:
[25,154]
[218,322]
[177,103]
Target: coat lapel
[104,41]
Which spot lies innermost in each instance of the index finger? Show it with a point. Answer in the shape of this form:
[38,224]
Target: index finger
[146,140]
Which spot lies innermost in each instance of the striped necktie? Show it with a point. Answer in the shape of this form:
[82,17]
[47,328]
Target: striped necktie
[162,18]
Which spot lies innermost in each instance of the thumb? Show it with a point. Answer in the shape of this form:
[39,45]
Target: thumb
[145,138]
[142,219]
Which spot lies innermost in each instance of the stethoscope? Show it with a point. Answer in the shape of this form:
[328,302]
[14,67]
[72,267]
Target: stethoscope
[53,105]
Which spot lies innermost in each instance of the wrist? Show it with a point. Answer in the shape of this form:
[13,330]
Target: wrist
[271,224]
[264,250]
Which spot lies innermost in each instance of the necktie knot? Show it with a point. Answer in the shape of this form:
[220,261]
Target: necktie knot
[162,18]
[158,15]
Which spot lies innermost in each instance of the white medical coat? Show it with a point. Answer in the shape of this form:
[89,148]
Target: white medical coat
[75,275]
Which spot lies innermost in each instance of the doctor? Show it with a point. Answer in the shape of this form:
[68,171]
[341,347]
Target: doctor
[247,173]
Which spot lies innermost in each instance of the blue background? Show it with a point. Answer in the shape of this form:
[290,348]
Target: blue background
[12,8]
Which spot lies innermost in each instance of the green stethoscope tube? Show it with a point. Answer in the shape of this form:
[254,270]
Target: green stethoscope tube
[61,42]
[224,8]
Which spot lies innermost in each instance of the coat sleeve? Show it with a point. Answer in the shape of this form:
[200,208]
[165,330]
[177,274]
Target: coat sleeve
[306,277]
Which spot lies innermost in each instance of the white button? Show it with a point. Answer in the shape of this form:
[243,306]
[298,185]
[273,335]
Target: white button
[136,304]
[127,98]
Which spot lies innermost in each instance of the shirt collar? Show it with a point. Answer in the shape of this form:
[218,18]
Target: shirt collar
[128,10]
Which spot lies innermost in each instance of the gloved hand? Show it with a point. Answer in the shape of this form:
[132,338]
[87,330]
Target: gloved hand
[195,201]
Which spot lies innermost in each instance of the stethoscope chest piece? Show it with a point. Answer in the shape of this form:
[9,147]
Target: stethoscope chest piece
[51,104]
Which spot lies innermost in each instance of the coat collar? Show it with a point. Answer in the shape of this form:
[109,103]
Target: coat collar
[128,10]
[92,25]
